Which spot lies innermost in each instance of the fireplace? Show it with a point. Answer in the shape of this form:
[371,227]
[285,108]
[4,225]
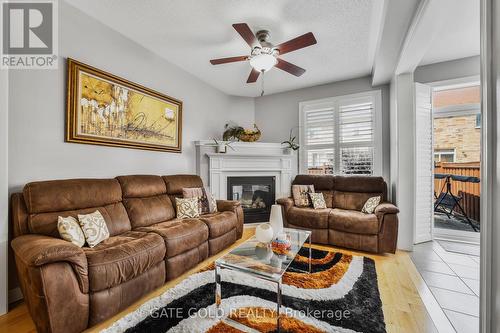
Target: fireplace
[256,195]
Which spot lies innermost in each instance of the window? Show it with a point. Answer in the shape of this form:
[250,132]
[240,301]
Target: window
[444,155]
[341,135]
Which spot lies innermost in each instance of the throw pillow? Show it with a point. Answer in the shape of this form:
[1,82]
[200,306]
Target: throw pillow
[212,203]
[370,205]
[187,208]
[301,196]
[318,200]
[70,230]
[94,227]
[206,201]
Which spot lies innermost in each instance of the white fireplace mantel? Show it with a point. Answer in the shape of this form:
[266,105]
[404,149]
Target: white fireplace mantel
[247,159]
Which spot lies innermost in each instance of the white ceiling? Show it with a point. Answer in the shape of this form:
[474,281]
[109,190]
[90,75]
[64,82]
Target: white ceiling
[189,33]
[459,36]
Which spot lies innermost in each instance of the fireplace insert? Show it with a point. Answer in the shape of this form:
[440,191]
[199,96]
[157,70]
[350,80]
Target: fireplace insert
[256,195]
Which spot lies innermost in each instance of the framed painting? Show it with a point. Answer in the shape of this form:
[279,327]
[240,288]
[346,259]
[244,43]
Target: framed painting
[104,109]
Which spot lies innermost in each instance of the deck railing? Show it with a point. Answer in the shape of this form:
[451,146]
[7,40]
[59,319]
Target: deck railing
[470,192]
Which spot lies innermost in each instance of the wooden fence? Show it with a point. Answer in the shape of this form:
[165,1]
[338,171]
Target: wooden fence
[470,192]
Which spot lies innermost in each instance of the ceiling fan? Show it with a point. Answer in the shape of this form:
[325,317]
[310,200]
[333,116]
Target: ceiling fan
[264,55]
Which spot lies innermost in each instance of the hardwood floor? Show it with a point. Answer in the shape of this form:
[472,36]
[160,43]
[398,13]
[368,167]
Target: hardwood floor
[403,308]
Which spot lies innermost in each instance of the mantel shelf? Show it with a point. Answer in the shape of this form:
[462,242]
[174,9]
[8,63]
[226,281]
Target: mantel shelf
[250,155]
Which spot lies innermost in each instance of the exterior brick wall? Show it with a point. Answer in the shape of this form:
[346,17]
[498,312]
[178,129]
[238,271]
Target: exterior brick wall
[459,133]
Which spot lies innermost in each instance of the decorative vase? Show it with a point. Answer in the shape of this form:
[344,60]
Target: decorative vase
[287,151]
[221,148]
[264,233]
[276,220]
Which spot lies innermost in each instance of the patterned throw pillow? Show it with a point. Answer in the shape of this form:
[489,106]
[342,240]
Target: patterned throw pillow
[301,196]
[206,201]
[370,205]
[187,208]
[212,203]
[70,230]
[94,227]
[318,200]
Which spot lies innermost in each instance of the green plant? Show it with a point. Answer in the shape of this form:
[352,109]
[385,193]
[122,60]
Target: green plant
[291,142]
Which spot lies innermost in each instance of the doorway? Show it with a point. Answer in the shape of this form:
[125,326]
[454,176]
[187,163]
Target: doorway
[456,145]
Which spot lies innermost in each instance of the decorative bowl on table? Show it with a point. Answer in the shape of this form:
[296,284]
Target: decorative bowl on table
[281,246]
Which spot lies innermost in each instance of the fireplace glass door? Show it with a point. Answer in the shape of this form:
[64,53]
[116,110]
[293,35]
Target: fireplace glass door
[256,195]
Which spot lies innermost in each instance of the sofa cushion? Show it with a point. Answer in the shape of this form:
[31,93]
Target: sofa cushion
[123,257]
[47,200]
[361,184]
[220,223]
[353,221]
[351,200]
[176,183]
[140,186]
[328,195]
[70,194]
[179,235]
[145,198]
[115,216]
[146,211]
[308,217]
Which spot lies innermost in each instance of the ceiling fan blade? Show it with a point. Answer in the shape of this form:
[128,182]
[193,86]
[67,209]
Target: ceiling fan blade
[247,34]
[290,68]
[297,43]
[226,60]
[254,75]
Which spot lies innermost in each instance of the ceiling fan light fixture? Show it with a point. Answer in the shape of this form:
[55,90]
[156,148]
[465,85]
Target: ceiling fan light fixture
[263,62]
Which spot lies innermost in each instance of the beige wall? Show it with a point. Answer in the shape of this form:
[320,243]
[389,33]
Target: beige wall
[459,133]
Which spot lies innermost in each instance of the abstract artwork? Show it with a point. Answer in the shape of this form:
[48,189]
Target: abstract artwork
[104,109]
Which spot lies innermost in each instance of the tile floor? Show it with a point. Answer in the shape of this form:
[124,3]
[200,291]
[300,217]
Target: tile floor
[453,279]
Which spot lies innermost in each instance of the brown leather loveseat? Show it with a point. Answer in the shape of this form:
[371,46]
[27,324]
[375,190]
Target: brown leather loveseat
[68,288]
[342,223]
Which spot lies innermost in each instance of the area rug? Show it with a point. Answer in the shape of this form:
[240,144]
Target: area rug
[340,295]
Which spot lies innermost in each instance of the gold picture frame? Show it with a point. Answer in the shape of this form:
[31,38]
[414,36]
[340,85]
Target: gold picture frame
[104,109]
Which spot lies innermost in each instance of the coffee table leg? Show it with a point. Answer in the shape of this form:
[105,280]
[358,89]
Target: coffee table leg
[310,254]
[218,293]
[278,306]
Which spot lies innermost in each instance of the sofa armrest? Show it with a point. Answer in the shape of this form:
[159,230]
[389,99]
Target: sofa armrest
[287,203]
[233,206]
[385,208]
[38,250]
[53,277]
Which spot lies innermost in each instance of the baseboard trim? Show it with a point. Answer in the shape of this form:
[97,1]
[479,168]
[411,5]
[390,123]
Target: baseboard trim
[15,295]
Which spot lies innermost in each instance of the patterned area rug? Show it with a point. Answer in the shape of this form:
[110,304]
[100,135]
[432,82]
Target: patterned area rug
[340,295]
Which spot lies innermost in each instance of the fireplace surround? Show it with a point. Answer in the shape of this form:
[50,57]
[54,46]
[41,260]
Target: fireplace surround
[248,159]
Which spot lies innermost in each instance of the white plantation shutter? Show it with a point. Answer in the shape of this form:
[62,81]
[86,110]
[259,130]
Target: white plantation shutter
[424,164]
[339,135]
[356,136]
[319,138]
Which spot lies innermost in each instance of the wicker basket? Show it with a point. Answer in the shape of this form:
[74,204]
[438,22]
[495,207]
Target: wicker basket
[250,135]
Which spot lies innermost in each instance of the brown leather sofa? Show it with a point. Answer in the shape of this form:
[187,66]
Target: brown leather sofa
[342,223]
[68,288]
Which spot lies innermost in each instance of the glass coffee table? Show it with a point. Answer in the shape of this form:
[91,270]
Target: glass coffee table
[259,261]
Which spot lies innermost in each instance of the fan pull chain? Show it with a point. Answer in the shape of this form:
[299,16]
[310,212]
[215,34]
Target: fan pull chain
[262,85]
